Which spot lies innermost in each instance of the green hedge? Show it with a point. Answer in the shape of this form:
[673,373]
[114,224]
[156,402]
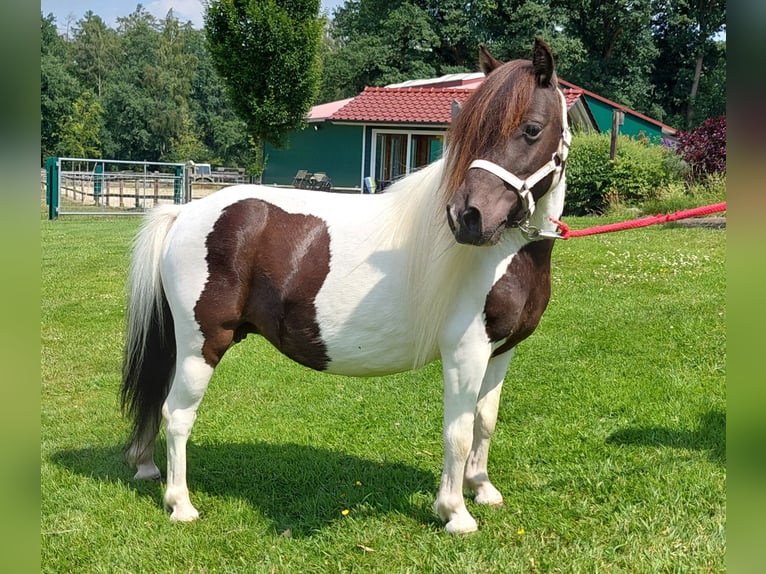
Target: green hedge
[594,182]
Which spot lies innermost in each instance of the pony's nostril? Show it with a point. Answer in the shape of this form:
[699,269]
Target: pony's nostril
[471,220]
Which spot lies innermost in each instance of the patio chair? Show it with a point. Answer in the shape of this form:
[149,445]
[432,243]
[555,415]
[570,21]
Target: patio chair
[302,179]
[321,182]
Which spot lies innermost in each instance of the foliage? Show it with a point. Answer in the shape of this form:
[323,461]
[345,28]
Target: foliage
[610,445]
[678,195]
[634,176]
[704,148]
[160,90]
[267,55]
[378,43]
[58,86]
[95,49]
[689,74]
[643,54]
[154,79]
[618,49]
[508,28]
[80,131]
[187,143]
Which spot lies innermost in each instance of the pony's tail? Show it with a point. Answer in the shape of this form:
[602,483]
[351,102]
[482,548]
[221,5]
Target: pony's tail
[150,346]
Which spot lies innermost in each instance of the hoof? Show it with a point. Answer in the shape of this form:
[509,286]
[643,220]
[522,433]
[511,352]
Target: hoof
[147,472]
[488,495]
[458,520]
[188,514]
[463,525]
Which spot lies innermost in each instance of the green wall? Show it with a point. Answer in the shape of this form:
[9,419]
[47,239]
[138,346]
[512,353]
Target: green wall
[633,126]
[333,149]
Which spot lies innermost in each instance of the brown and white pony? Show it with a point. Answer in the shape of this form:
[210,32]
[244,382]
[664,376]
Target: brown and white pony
[452,263]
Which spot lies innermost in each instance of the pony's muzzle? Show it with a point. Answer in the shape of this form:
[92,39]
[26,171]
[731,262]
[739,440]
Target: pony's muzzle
[466,226]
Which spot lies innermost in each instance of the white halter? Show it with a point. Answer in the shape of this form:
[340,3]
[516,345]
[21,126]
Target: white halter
[523,187]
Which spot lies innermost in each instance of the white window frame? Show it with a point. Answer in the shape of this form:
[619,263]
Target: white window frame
[408,151]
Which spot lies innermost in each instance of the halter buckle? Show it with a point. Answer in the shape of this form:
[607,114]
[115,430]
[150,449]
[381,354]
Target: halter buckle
[532,233]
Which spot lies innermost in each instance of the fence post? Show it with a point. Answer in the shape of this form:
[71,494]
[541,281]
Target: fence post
[188,180]
[98,180]
[52,186]
[178,186]
[618,118]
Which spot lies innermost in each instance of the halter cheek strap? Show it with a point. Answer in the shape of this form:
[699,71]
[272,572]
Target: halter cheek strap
[523,187]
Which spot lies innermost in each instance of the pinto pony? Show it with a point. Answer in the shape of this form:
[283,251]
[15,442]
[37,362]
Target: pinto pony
[452,263]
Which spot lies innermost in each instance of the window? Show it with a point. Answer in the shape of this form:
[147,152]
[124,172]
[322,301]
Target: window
[391,157]
[397,153]
[426,148]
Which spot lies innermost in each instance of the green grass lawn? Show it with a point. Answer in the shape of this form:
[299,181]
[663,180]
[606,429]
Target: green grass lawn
[610,448]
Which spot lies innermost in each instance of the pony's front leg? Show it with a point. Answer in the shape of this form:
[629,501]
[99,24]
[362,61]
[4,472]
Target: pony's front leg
[180,411]
[476,474]
[463,374]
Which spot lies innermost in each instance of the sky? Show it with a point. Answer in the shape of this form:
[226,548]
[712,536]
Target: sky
[109,11]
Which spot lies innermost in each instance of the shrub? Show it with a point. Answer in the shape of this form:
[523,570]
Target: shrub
[682,195]
[704,148]
[635,175]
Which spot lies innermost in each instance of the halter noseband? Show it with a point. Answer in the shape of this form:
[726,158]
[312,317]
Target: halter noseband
[523,187]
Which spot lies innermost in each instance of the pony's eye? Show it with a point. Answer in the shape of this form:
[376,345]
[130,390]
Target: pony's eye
[532,131]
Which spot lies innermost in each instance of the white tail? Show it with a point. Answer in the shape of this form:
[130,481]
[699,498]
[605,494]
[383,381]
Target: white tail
[150,344]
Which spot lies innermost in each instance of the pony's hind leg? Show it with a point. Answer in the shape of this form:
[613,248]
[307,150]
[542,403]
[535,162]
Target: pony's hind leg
[141,455]
[179,411]
[476,474]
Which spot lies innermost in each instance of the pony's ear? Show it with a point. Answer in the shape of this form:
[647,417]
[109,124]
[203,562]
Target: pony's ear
[542,60]
[487,61]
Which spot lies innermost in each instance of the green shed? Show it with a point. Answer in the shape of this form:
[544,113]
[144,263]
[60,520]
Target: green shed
[634,123]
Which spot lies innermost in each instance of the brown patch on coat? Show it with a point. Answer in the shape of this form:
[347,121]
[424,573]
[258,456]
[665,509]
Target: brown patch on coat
[265,268]
[517,300]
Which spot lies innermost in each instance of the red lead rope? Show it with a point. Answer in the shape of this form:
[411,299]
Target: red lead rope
[566,233]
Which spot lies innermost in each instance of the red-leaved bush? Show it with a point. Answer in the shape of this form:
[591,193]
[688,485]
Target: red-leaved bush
[704,148]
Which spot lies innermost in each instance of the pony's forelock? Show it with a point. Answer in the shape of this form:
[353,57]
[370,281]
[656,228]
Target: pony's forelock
[491,114]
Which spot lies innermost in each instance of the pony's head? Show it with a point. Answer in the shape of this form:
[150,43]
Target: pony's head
[507,147]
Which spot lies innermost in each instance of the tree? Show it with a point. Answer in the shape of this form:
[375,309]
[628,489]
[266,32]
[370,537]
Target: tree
[619,50]
[168,83]
[377,42]
[708,17]
[267,55]
[148,103]
[58,87]
[508,26]
[187,145]
[690,71]
[223,134]
[81,130]
[94,51]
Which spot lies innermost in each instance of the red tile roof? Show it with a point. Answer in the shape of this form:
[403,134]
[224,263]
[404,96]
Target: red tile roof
[402,105]
[571,95]
[324,111]
[412,105]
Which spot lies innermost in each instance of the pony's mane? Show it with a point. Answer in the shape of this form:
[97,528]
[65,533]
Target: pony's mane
[490,115]
[417,222]
[417,225]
